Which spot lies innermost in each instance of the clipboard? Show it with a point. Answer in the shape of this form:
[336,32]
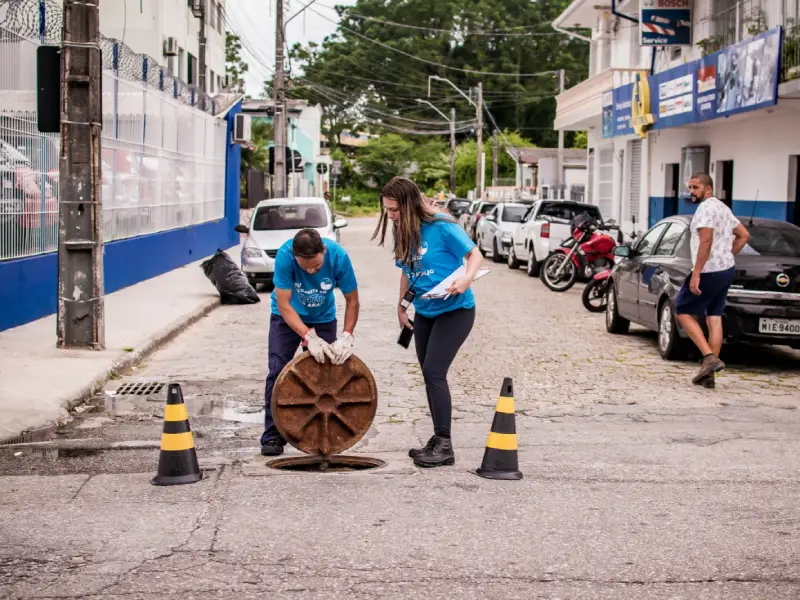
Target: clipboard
[440,291]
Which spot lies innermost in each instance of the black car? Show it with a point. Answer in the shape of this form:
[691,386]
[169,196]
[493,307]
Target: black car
[763,302]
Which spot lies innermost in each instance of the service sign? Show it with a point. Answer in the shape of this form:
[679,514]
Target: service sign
[665,22]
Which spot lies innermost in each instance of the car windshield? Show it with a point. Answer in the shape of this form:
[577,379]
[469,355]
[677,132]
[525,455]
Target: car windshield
[514,214]
[569,211]
[485,208]
[773,241]
[290,216]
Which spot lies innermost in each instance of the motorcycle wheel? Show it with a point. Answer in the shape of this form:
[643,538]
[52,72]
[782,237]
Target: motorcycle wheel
[568,276]
[594,295]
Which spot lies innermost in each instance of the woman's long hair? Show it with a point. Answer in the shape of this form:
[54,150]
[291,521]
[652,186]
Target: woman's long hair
[413,213]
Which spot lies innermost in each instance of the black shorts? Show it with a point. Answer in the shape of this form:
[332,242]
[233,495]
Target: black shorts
[713,293]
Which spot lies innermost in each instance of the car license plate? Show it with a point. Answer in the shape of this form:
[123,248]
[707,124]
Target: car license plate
[779,326]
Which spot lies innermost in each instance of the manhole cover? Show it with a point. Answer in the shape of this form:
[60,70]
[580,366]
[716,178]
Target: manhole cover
[140,388]
[330,464]
[324,408]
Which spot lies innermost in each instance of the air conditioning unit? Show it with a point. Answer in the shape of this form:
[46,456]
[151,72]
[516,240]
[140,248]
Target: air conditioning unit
[242,128]
[170,47]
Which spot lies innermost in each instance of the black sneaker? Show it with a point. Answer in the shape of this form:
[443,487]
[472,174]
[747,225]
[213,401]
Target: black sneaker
[440,455]
[415,452]
[271,448]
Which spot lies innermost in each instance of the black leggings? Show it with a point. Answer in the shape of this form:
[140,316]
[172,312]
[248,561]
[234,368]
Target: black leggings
[437,340]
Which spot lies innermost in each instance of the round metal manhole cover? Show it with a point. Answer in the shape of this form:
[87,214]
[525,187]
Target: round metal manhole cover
[324,408]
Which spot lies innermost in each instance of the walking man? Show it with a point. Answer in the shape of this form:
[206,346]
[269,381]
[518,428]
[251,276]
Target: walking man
[307,270]
[716,237]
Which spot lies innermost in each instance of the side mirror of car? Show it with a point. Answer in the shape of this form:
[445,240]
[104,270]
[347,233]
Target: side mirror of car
[340,223]
[622,251]
[242,229]
[492,218]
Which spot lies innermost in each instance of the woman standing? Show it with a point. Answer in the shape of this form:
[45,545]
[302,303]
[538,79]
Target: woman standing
[429,246]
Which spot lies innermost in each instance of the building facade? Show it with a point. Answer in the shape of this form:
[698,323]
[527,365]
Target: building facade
[721,103]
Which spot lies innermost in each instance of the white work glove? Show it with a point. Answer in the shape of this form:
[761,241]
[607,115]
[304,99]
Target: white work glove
[342,348]
[318,347]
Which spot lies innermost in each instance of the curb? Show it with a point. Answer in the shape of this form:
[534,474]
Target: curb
[125,362]
[130,359]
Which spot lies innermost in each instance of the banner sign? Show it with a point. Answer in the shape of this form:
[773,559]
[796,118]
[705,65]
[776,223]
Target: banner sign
[608,114]
[738,79]
[665,23]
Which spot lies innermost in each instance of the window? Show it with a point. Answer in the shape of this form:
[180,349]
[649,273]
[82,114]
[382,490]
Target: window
[220,17]
[486,207]
[513,214]
[648,242]
[181,65]
[191,70]
[567,212]
[294,216]
[211,82]
[211,14]
[670,241]
[773,241]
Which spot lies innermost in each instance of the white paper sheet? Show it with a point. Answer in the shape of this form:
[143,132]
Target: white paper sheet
[440,291]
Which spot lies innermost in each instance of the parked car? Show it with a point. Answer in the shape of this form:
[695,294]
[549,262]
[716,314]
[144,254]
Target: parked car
[477,210]
[763,302]
[274,222]
[495,230]
[457,207]
[543,227]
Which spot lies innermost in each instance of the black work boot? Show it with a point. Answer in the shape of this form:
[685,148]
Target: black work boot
[272,448]
[440,455]
[709,382]
[415,452]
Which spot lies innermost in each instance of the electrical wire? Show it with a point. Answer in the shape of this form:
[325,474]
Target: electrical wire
[429,62]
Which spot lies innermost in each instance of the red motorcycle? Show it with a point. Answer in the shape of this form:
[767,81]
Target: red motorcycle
[586,252]
[595,294]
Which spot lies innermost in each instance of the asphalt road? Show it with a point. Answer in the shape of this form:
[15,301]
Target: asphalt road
[636,483]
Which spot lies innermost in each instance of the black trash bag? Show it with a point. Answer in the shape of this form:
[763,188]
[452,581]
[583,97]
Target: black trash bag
[229,280]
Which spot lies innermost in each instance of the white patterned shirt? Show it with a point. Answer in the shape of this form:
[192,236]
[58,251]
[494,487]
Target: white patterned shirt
[713,214]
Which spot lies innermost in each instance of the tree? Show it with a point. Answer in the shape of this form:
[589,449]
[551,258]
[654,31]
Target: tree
[384,157]
[257,156]
[580,140]
[378,83]
[234,65]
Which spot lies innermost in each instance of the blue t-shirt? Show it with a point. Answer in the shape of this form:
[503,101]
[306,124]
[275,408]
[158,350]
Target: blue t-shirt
[442,250]
[312,295]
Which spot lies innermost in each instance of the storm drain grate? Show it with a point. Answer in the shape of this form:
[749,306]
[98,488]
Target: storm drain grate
[140,388]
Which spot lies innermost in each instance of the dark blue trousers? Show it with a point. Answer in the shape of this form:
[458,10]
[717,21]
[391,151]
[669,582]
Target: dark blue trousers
[283,344]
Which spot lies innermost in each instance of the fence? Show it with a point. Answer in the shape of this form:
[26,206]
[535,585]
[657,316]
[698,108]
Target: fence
[163,150]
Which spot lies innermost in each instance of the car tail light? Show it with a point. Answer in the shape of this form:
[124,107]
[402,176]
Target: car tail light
[545,233]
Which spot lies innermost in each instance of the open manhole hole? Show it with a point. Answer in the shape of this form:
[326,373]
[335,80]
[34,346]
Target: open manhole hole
[331,464]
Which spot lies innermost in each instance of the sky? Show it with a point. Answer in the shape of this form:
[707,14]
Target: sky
[254,22]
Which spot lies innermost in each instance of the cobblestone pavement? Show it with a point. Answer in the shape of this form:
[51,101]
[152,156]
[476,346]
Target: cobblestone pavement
[637,484]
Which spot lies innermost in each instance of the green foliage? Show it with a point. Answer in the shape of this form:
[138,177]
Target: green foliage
[258,158]
[384,157]
[431,159]
[234,65]
[581,140]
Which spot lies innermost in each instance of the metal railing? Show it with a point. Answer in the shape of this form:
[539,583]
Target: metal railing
[735,20]
[790,60]
[163,150]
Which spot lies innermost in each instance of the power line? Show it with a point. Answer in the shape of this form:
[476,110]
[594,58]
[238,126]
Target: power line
[429,62]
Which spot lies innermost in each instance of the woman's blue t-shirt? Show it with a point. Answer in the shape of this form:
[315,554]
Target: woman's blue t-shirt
[442,250]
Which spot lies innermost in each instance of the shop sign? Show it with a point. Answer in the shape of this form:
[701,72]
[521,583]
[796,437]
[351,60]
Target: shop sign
[665,23]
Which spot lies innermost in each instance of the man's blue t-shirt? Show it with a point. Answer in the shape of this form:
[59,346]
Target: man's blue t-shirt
[442,250]
[312,295]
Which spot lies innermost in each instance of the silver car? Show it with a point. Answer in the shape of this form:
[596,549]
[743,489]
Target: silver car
[276,221]
[495,231]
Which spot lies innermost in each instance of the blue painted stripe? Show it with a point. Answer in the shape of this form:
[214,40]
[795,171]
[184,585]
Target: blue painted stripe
[661,208]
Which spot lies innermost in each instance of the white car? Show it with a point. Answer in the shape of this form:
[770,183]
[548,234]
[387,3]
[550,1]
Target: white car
[495,231]
[276,221]
[543,228]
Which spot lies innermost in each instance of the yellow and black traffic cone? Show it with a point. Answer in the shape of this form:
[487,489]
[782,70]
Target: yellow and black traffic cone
[500,458]
[177,463]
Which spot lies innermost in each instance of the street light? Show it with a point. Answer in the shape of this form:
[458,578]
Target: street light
[452,121]
[479,172]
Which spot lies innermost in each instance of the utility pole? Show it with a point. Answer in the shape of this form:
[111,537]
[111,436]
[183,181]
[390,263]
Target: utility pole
[560,173]
[494,158]
[280,106]
[201,38]
[80,317]
[479,116]
[453,150]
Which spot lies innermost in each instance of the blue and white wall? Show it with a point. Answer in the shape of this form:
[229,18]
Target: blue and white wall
[28,285]
[760,144]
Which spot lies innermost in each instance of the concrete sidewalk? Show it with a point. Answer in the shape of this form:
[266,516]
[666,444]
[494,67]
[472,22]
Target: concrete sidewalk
[39,382]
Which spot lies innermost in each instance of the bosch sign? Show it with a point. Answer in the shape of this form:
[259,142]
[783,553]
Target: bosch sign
[665,23]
